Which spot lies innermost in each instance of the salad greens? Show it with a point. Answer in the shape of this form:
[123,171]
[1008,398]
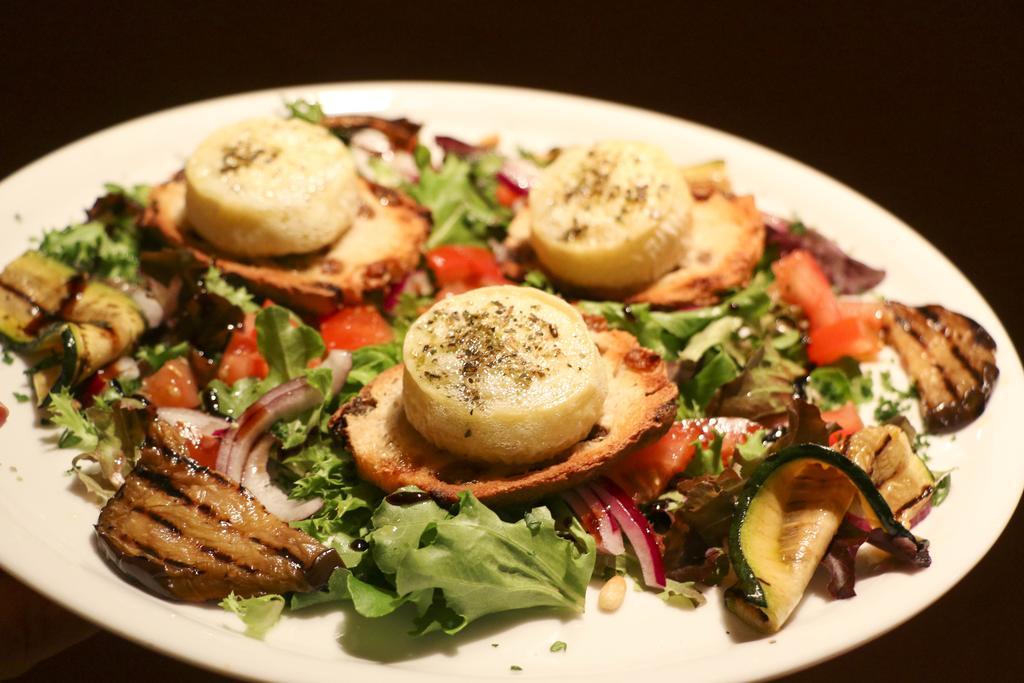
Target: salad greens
[457,566]
[158,354]
[215,283]
[461,198]
[258,614]
[107,245]
[838,384]
[288,345]
[669,332]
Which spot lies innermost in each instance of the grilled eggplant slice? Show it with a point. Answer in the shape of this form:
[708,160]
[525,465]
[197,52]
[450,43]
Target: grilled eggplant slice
[885,454]
[74,324]
[951,359]
[188,533]
[785,519]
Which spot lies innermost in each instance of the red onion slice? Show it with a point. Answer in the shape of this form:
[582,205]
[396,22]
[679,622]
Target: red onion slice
[283,402]
[636,528]
[256,479]
[519,174]
[203,423]
[611,535]
[598,524]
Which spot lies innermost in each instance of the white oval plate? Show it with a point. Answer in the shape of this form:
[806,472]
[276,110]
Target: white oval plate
[46,524]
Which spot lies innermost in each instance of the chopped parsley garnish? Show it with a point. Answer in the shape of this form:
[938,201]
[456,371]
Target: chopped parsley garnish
[558,646]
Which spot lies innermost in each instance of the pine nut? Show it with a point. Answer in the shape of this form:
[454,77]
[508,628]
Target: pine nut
[613,592]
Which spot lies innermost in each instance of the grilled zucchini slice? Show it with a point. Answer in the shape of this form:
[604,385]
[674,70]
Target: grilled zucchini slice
[71,325]
[785,519]
[885,454]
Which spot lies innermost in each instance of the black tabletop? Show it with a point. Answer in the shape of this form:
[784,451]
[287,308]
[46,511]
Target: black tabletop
[916,105]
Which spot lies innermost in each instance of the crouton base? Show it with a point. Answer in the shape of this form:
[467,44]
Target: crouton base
[390,453]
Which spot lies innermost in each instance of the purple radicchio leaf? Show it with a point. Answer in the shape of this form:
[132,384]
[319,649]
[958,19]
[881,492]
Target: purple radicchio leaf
[710,572]
[847,275]
[457,147]
[912,551]
[840,560]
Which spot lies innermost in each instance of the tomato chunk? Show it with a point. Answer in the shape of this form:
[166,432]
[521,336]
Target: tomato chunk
[801,282]
[172,386]
[848,419]
[646,472]
[505,195]
[854,337]
[242,356]
[459,268]
[353,327]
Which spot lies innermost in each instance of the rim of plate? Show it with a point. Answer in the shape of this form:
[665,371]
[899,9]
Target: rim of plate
[229,653]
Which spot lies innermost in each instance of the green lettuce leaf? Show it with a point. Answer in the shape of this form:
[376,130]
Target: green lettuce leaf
[323,468]
[669,333]
[79,432]
[107,245]
[367,363]
[239,296]
[233,400]
[460,196]
[682,594]
[286,344]
[310,112]
[107,434]
[833,386]
[707,460]
[158,354]
[484,565]
[259,614]
[455,567]
[717,369]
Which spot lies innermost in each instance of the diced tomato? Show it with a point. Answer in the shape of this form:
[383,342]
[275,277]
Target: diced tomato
[646,472]
[353,327]
[172,386]
[868,311]
[848,420]
[854,337]
[801,282]
[242,356]
[460,268]
[505,195]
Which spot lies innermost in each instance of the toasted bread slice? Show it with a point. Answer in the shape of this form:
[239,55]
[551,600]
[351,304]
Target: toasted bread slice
[640,407]
[380,248]
[725,242]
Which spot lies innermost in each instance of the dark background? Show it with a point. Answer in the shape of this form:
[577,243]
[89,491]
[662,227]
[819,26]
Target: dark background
[916,105]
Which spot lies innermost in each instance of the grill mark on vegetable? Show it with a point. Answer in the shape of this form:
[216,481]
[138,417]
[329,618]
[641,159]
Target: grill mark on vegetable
[924,494]
[878,451]
[163,483]
[205,510]
[76,286]
[938,322]
[959,355]
[159,519]
[908,326]
[212,552]
[281,551]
